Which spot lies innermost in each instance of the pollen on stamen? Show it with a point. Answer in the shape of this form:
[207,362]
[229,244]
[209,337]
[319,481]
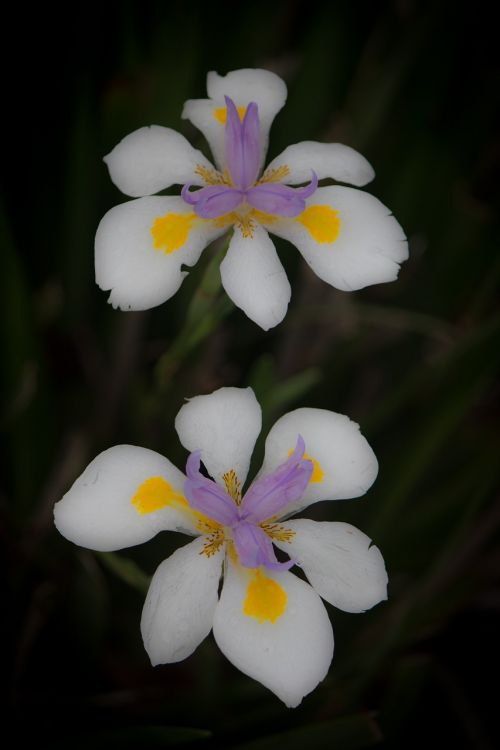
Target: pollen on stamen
[277,174]
[213,543]
[246,225]
[211,176]
[204,524]
[233,485]
[278,532]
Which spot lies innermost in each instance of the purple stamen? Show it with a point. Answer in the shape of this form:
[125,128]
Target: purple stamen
[242,145]
[206,496]
[269,496]
[275,198]
[266,498]
[213,201]
[242,148]
[255,548]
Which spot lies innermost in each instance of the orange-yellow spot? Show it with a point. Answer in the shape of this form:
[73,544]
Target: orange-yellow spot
[322,223]
[265,599]
[156,493]
[220,114]
[318,474]
[171,232]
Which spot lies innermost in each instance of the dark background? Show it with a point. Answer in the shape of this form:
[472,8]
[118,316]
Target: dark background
[414,86]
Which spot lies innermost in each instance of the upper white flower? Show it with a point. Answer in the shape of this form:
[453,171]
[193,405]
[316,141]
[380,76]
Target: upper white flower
[269,623]
[347,236]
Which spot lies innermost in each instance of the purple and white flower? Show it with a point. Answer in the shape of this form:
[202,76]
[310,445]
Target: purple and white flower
[269,623]
[347,236]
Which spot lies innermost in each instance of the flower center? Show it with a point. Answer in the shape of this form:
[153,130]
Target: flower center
[239,186]
[248,522]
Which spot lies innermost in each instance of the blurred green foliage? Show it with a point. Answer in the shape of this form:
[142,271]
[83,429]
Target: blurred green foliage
[413,85]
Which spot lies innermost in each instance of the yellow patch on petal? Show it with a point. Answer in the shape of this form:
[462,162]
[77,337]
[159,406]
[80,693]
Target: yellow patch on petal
[322,223]
[156,493]
[171,232]
[265,599]
[318,474]
[220,114]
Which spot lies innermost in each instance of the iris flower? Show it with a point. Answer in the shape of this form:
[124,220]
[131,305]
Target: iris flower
[349,239]
[269,623]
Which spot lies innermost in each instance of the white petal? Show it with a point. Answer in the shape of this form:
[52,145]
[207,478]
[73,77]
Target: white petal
[224,425]
[339,562]
[254,278]
[97,512]
[368,248]
[345,464]
[179,608]
[140,275]
[153,158]
[341,163]
[242,86]
[291,655]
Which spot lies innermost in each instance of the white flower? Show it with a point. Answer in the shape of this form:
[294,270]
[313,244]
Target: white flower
[268,622]
[348,237]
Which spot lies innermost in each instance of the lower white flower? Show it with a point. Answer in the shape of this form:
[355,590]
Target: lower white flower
[269,623]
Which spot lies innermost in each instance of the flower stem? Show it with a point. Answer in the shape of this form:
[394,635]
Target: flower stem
[208,307]
[126,569]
